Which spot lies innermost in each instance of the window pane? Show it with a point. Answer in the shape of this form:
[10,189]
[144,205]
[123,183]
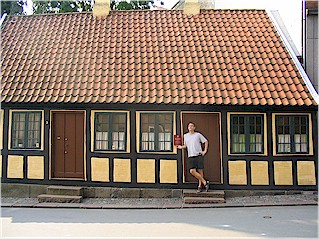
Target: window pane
[101,131]
[300,134]
[284,143]
[33,126]
[238,143]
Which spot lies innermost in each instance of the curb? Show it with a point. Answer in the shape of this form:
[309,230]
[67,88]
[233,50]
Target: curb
[143,206]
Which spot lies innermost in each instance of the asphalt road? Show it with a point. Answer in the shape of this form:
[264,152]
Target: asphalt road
[256,222]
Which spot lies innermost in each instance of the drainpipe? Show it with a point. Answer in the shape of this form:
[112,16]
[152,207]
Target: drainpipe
[303,33]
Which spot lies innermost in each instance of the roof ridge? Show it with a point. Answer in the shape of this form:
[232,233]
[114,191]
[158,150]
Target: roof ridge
[50,14]
[133,10]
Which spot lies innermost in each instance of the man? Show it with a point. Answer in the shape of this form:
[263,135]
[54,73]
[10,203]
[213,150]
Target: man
[193,142]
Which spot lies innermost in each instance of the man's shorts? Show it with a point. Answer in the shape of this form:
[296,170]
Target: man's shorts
[196,162]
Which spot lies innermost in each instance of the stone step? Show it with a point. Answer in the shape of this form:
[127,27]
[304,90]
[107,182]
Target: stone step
[214,194]
[202,200]
[59,198]
[65,190]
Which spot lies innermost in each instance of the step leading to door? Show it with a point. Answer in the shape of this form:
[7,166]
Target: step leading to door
[194,193]
[65,190]
[203,200]
[193,197]
[59,198]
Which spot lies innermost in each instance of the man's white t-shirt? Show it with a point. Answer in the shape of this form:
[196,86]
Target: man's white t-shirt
[193,143]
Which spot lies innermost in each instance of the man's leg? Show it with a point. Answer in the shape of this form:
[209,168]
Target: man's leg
[198,176]
[201,172]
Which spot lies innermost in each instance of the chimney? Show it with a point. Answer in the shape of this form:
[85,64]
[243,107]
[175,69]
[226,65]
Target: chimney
[191,7]
[101,8]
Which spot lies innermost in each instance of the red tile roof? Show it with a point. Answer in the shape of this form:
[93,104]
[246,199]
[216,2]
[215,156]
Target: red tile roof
[219,57]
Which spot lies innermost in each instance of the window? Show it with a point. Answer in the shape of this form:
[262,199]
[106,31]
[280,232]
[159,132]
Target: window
[110,131]
[26,130]
[247,134]
[156,132]
[292,133]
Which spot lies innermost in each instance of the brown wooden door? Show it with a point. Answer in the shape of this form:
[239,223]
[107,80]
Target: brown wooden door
[68,145]
[208,124]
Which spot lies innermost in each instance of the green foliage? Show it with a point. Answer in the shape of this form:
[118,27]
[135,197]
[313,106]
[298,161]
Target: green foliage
[12,7]
[41,7]
[49,6]
[133,4]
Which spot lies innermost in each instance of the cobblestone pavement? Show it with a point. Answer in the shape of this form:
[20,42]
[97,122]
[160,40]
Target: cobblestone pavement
[305,198]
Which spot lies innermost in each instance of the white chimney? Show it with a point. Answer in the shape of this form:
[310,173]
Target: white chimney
[101,8]
[191,7]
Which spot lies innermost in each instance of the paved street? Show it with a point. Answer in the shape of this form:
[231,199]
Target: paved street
[257,222]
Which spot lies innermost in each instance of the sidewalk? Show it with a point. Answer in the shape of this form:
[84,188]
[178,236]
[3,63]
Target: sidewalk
[305,198]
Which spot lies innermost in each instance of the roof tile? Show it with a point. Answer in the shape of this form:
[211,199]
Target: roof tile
[218,57]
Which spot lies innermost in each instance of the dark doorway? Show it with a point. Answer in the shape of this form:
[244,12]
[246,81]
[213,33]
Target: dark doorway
[209,125]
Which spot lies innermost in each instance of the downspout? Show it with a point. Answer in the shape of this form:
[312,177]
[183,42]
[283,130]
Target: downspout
[303,33]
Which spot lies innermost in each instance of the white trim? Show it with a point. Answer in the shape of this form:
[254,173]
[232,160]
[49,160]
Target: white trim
[3,18]
[303,74]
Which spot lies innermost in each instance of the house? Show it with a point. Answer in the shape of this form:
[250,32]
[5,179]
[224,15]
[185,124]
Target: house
[310,40]
[99,99]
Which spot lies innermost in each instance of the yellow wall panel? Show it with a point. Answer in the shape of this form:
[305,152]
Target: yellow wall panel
[146,170]
[15,166]
[100,169]
[306,173]
[259,173]
[168,171]
[283,173]
[122,170]
[237,172]
[35,167]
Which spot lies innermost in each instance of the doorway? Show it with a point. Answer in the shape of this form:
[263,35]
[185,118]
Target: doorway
[67,145]
[209,125]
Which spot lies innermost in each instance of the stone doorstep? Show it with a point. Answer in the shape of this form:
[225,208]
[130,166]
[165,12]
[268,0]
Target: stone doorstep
[202,200]
[214,194]
[65,190]
[59,198]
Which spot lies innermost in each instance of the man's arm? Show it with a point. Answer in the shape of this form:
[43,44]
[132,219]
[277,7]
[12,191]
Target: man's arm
[205,148]
[182,146]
